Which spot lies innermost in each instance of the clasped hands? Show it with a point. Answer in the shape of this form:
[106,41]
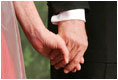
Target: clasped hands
[66,49]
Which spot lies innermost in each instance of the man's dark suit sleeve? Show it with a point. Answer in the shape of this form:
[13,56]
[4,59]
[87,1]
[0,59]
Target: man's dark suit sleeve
[59,6]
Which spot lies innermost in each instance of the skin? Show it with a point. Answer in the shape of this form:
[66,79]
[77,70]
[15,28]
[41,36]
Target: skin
[66,44]
[41,39]
[74,34]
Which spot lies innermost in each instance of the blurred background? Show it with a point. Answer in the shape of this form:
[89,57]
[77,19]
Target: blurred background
[36,66]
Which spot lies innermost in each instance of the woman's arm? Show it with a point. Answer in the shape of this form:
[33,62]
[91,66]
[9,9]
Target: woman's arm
[42,40]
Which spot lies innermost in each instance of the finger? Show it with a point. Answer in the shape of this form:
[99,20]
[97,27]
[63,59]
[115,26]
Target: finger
[56,60]
[73,63]
[59,65]
[78,67]
[82,60]
[62,47]
[72,50]
[74,70]
[53,54]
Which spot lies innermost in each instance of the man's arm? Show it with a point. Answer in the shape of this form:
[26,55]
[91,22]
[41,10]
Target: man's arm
[73,26]
[60,6]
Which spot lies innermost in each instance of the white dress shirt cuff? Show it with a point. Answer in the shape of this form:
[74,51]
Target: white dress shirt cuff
[78,14]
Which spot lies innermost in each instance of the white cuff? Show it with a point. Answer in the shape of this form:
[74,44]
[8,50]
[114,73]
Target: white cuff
[78,14]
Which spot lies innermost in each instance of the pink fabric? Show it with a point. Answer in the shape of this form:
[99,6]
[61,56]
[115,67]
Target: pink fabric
[12,65]
[8,69]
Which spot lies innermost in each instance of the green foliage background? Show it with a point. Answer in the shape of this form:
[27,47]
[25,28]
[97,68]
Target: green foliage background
[36,66]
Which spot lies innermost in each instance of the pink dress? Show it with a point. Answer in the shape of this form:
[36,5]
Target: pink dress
[12,65]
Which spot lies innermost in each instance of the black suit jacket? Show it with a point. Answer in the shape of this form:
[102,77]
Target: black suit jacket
[101,27]
[58,6]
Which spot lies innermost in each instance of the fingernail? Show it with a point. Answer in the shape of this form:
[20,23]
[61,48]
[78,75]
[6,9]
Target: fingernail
[66,61]
[66,71]
[75,70]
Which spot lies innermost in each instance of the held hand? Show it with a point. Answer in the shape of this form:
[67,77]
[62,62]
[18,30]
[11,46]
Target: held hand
[74,34]
[42,40]
[45,42]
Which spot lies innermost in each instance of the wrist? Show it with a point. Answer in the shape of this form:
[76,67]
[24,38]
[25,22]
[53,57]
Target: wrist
[70,23]
[38,30]
[68,26]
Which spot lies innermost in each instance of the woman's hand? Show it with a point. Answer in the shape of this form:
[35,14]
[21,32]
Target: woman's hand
[45,42]
[42,40]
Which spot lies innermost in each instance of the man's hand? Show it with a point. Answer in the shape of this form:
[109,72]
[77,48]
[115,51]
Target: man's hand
[74,34]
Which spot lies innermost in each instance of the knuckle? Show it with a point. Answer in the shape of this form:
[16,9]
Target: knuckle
[75,61]
[84,45]
[65,36]
[78,42]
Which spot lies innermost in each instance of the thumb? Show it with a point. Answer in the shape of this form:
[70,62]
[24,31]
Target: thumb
[63,49]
